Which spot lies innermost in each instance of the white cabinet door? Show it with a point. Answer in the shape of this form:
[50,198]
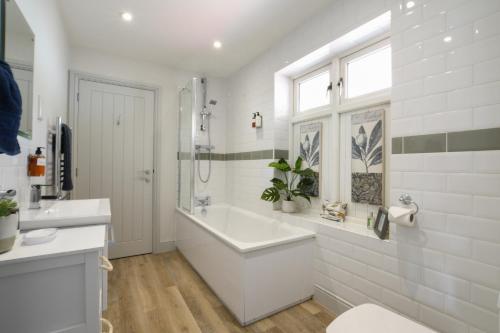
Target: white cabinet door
[114,159]
[59,294]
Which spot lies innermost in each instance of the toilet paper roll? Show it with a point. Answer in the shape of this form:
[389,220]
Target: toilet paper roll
[402,216]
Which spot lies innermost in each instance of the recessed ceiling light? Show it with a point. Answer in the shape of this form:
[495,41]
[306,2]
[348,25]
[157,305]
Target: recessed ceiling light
[410,4]
[127,16]
[447,39]
[217,44]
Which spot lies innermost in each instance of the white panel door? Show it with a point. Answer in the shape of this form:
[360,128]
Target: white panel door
[114,147]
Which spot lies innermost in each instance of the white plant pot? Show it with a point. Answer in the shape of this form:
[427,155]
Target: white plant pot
[288,206]
[277,205]
[8,232]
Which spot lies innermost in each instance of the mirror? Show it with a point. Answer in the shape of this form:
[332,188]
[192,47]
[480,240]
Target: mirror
[19,54]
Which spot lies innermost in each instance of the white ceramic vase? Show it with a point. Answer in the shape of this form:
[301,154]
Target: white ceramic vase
[8,232]
[288,206]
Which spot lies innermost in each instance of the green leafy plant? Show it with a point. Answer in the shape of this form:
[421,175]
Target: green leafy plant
[285,186]
[7,207]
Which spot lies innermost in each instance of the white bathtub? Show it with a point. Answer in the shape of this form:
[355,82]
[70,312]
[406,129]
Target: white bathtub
[256,265]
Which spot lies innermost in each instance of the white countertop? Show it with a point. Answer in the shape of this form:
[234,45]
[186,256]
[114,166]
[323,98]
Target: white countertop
[353,225]
[66,213]
[68,241]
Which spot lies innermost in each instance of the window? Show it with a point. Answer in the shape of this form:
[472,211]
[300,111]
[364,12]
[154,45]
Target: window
[367,72]
[312,91]
[351,113]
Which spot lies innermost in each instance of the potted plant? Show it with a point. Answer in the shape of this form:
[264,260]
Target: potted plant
[287,187]
[8,224]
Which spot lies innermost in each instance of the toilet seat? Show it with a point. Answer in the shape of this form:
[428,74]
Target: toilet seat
[374,319]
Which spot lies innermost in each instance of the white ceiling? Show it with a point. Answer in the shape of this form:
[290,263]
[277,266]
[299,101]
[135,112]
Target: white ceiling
[180,33]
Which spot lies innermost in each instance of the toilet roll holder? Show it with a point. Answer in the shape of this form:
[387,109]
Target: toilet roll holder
[407,200]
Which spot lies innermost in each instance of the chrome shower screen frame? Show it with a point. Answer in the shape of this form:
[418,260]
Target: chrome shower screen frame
[190,106]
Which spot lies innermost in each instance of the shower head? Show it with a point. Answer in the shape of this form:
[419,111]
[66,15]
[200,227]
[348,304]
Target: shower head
[213,102]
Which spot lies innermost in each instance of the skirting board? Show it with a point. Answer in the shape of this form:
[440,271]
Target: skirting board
[330,301]
[165,247]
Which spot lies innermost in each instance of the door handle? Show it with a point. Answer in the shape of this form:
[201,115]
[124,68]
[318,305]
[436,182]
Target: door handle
[147,172]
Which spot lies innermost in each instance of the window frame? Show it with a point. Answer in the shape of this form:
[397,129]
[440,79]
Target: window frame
[366,99]
[332,114]
[296,92]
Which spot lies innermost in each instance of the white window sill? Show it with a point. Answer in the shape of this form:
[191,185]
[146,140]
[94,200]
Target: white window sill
[310,221]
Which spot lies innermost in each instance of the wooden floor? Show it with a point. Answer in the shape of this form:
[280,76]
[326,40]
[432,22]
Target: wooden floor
[162,293]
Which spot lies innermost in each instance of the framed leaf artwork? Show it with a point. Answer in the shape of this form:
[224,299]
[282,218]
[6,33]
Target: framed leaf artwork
[310,150]
[367,157]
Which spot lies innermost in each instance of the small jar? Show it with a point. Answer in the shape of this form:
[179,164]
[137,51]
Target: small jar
[369,221]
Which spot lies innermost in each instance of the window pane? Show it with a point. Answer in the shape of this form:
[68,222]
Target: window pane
[313,92]
[369,73]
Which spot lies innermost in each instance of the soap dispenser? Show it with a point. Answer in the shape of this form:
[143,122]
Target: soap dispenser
[258,120]
[36,163]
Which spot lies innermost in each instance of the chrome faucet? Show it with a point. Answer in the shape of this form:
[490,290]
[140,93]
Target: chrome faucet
[202,201]
[35,197]
[7,194]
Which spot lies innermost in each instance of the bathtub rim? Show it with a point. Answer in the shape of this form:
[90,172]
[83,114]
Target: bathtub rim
[245,247]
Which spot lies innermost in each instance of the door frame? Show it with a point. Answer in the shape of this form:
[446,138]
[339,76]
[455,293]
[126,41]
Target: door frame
[74,89]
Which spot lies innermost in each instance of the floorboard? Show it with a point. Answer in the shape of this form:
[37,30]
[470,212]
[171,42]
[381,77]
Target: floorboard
[162,293]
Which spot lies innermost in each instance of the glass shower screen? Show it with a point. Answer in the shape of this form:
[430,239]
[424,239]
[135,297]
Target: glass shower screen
[189,106]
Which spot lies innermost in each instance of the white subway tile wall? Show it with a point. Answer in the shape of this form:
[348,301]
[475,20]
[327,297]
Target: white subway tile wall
[445,272]
[460,193]
[13,172]
[245,181]
[216,186]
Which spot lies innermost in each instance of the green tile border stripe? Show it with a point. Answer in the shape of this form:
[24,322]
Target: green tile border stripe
[267,154]
[397,145]
[471,140]
[475,140]
[430,143]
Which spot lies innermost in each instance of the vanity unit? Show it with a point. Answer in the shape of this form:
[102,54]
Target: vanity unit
[59,286]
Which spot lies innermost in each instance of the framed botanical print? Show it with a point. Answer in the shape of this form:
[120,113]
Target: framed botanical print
[367,157]
[310,150]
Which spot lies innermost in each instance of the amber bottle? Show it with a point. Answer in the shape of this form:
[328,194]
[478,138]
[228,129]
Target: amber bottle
[36,163]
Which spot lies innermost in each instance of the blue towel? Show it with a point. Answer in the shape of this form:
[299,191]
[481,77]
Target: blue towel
[10,111]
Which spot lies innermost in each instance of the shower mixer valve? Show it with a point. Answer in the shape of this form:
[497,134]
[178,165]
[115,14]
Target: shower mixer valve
[204,147]
[202,201]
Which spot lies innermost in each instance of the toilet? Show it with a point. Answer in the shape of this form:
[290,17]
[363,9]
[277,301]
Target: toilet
[376,319]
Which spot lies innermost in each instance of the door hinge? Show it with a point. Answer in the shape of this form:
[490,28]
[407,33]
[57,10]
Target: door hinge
[78,97]
[76,172]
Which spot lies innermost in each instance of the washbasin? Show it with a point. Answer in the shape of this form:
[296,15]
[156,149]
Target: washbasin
[66,213]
